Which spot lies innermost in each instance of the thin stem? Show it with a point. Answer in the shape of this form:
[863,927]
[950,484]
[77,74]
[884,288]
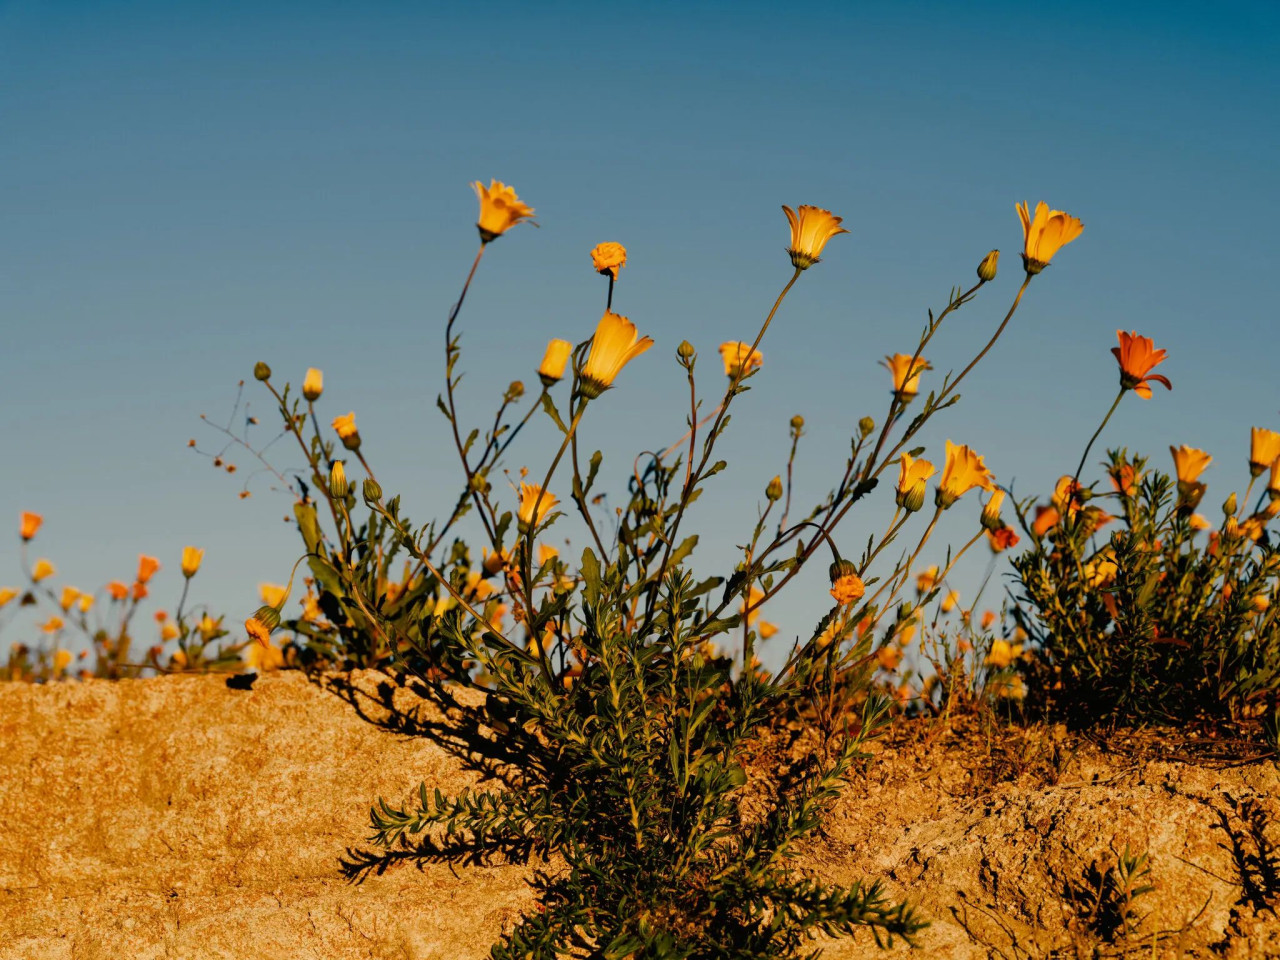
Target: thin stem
[1075,482]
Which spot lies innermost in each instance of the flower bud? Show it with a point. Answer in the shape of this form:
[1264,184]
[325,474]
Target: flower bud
[372,491]
[313,384]
[268,616]
[191,557]
[987,268]
[913,499]
[338,486]
[865,426]
[261,371]
[685,352]
[774,490]
[516,390]
[1229,506]
[1231,529]
[797,423]
[991,512]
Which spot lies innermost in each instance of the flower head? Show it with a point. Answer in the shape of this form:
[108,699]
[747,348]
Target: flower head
[987,268]
[1137,356]
[1264,450]
[1045,235]
[991,512]
[551,370]
[927,579]
[52,625]
[739,359]
[7,594]
[43,570]
[191,557]
[964,470]
[1189,463]
[118,590]
[912,475]
[906,375]
[614,345]
[29,525]
[1003,653]
[846,586]
[264,655]
[532,497]
[147,566]
[811,228]
[273,594]
[313,384]
[1002,539]
[500,209]
[1125,478]
[61,660]
[69,596]
[609,258]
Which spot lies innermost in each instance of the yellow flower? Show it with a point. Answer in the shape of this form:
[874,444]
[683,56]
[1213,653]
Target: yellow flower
[906,376]
[29,525]
[169,631]
[191,557]
[313,384]
[739,359]
[1137,357]
[52,625]
[1264,450]
[949,601]
[554,360]
[69,596]
[1189,464]
[7,594]
[546,553]
[258,631]
[273,594]
[811,228]
[1002,654]
[1261,602]
[927,580]
[43,570]
[500,209]
[85,602]
[208,627]
[964,470]
[848,588]
[264,656]
[1045,235]
[1199,521]
[614,345]
[991,512]
[889,657]
[530,495]
[1100,573]
[147,566]
[912,475]
[609,258]
[61,660]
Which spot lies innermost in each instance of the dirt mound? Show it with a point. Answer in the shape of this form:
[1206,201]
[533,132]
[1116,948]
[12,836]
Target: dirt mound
[176,818]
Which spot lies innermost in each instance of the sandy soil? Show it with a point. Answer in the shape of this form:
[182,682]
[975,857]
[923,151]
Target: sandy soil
[176,818]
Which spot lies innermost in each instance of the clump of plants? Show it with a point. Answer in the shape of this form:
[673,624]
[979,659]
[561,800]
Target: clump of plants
[102,624]
[1142,609]
[623,697]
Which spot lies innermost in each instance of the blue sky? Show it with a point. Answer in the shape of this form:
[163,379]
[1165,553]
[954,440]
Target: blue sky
[186,189]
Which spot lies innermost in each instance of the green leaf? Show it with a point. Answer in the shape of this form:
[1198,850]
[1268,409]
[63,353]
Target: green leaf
[550,407]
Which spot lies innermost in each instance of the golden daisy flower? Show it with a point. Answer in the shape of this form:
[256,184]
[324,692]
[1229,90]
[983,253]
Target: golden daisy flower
[847,588]
[1002,654]
[1046,519]
[912,475]
[500,209]
[889,657]
[1137,356]
[614,345]
[1189,463]
[991,519]
[739,359]
[551,370]
[906,376]
[1045,234]
[147,566]
[531,494]
[7,594]
[43,570]
[811,228]
[61,660]
[258,631]
[546,553]
[609,258]
[927,580]
[118,590]
[963,471]
[949,601]
[69,596]
[273,594]
[191,557]
[1264,449]
[169,631]
[29,525]
[52,625]
[313,384]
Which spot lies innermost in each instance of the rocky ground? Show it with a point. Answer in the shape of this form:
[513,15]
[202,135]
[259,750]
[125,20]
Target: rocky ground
[177,818]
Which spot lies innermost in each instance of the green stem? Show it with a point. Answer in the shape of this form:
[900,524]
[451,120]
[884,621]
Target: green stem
[1075,481]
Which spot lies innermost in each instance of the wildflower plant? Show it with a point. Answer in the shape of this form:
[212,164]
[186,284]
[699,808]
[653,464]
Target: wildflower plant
[622,697]
[1139,607]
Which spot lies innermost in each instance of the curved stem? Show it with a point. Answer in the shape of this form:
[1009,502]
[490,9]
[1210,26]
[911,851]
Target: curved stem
[1075,480]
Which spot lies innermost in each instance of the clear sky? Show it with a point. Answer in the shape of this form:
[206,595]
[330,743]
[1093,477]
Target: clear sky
[186,189]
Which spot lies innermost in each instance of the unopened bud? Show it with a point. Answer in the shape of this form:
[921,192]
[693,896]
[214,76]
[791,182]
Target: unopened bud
[913,499]
[685,352]
[261,371]
[1229,507]
[991,512]
[516,390]
[774,490]
[268,616]
[338,486]
[372,491]
[865,426]
[797,423]
[313,384]
[987,268]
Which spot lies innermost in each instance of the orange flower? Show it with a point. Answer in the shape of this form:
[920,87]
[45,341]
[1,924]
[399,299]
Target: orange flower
[906,376]
[1066,494]
[912,475]
[1198,521]
[739,359]
[614,345]
[963,471]
[1002,539]
[52,625]
[554,360]
[69,596]
[169,631]
[1124,479]
[258,631]
[927,580]
[140,591]
[500,209]
[1046,519]
[889,657]
[7,594]
[118,590]
[191,557]
[1137,356]
[29,525]
[609,258]
[345,425]
[848,588]
[147,566]
[1264,450]
[1189,462]
[61,660]
[43,570]
[530,495]
[1045,235]
[811,228]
